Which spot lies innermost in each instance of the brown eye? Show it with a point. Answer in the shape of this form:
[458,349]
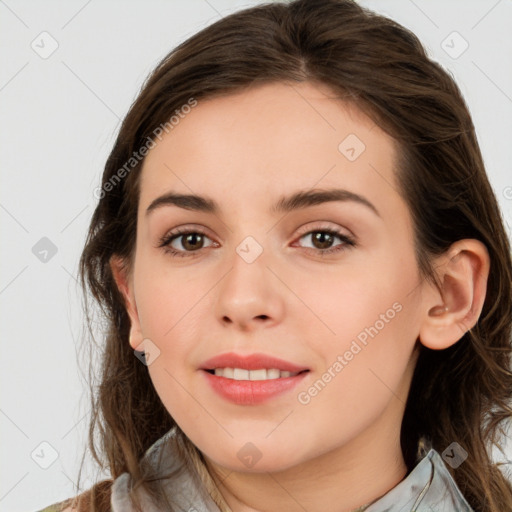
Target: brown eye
[323,241]
[184,243]
[192,241]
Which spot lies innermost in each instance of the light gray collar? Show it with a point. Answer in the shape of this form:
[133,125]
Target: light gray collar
[429,486]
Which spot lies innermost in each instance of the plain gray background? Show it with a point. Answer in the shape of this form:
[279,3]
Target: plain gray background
[60,113]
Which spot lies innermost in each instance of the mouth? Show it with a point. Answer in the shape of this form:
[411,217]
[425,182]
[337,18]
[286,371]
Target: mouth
[252,387]
[250,379]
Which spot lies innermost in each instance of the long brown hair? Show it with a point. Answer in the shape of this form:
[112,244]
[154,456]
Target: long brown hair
[459,394]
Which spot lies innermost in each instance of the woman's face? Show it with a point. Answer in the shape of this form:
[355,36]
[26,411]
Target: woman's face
[330,286]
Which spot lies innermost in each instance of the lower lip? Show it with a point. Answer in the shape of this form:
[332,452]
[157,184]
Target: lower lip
[251,392]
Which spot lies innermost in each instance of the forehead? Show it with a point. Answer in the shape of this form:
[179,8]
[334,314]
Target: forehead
[267,140]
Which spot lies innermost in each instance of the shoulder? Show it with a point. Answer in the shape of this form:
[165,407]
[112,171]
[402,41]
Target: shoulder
[99,494]
[69,505]
[69,508]
[61,506]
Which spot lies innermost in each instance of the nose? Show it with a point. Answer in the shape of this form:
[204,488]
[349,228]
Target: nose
[249,296]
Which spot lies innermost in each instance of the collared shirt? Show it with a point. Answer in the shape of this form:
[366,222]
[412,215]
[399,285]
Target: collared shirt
[429,487]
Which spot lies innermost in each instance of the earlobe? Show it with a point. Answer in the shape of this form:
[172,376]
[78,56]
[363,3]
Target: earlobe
[454,308]
[125,286]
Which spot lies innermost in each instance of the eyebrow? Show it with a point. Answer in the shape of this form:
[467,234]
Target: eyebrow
[296,201]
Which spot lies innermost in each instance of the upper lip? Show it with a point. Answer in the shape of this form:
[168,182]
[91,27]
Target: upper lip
[250,362]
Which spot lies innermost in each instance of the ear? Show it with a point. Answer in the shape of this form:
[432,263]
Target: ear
[124,282]
[454,308]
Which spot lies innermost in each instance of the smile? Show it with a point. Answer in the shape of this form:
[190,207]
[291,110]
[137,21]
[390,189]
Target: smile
[261,374]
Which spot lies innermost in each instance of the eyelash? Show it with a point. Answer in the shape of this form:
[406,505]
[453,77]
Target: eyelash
[166,240]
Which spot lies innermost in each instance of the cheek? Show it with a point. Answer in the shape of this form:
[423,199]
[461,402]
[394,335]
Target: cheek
[359,381]
[365,301]
[166,299]
[373,324]
[172,316]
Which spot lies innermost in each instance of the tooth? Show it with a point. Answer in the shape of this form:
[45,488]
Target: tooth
[258,374]
[273,373]
[240,374]
[228,372]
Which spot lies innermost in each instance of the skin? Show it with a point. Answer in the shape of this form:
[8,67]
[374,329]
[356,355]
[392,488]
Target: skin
[341,450]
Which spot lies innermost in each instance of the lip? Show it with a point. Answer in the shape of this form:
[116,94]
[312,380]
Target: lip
[250,362]
[251,392]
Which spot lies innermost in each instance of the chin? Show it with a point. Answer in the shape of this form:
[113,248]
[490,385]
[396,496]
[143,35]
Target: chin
[251,459]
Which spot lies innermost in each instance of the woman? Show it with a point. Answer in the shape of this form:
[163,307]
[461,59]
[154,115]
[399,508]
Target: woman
[297,197]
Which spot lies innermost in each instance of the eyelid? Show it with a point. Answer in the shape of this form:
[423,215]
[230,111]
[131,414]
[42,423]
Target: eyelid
[187,228]
[305,229]
[311,226]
